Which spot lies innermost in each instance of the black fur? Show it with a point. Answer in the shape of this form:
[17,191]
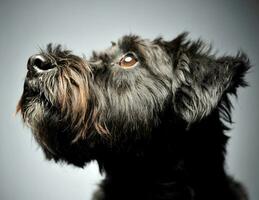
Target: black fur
[156,129]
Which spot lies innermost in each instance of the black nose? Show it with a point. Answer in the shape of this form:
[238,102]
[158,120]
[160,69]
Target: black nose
[38,61]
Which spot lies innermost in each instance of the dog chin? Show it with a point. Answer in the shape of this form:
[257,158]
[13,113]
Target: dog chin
[33,112]
[33,104]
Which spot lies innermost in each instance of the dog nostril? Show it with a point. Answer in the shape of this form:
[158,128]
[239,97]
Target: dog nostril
[39,62]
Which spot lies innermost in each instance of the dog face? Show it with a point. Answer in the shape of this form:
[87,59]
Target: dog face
[126,91]
[132,81]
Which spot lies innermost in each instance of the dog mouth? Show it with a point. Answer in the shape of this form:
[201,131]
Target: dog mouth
[34,86]
[32,89]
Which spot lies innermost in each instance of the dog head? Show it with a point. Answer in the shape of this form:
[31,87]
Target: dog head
[126,91]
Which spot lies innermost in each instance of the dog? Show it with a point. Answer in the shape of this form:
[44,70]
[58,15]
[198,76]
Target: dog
[152,113]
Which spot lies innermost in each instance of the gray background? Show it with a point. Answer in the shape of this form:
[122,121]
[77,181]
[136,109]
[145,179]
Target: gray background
[86,25]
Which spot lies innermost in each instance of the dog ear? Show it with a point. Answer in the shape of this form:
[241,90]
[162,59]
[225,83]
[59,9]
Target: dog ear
[201,82]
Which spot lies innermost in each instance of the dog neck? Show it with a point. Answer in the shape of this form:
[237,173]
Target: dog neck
[177,164]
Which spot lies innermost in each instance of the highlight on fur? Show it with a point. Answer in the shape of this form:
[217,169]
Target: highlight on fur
[152,113]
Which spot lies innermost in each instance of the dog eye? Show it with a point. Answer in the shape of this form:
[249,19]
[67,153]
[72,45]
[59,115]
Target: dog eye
[128,60]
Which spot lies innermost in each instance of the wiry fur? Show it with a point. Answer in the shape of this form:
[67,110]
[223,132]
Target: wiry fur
[156,130]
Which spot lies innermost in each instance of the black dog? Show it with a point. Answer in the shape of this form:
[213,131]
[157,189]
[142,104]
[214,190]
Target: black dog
[152,113]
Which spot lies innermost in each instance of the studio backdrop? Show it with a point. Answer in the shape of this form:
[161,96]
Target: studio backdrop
[83,26]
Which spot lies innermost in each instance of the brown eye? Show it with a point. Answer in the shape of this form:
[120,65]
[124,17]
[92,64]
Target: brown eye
[128,60]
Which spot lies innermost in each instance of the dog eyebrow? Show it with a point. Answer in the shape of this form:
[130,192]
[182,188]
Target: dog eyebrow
[129,43]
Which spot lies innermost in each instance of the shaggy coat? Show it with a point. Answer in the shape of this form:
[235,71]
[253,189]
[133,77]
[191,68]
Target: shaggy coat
[152,113]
